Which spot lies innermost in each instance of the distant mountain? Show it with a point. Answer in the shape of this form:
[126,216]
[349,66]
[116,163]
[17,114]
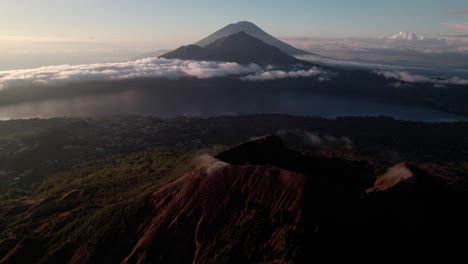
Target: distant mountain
[239,47]
[407,36]
[153,54]
[253,30]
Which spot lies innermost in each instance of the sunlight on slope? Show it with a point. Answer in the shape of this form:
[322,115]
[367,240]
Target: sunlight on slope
[392,177]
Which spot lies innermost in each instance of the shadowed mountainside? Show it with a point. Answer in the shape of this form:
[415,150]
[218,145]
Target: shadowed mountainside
[261,202]
[240,47]
[247,205]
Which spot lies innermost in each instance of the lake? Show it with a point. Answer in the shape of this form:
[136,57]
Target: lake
[192,103]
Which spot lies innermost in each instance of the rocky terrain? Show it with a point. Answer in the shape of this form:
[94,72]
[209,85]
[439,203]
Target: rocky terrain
[258,202]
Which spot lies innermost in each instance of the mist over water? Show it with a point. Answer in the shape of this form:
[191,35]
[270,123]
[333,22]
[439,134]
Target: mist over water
[217,103]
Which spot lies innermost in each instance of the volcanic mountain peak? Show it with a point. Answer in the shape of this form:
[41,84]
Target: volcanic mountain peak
[263,150]
[391,178]
[254,199]
[411,175]
[243,26]
[232,29]
[253,30]
[407,36]
[239,47]
[250,198]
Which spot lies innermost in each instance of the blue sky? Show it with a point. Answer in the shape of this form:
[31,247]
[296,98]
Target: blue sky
[159,18]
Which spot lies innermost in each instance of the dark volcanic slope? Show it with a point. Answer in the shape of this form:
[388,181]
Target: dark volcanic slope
[239,47]
[262,202]
[221,214]
[248,210]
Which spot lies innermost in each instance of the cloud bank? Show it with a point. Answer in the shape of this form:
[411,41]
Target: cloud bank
[279,74]
[150,67]
[357,64]
[415,78]
[404,50]
[402,41]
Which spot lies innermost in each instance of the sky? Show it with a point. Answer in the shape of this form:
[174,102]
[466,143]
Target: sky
[112,29]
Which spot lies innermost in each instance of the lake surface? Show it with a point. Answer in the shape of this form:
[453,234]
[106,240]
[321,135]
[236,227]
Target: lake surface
[145,102]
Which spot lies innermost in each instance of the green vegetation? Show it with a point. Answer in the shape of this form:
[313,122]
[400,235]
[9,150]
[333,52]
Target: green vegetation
[91,204]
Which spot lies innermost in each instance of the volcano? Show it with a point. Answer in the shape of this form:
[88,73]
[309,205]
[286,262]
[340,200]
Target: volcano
[254,31]
[261,202]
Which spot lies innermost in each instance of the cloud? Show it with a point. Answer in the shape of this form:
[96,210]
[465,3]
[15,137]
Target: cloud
[150,67]
[402,41]
[431,54]
[407,36]
[441,86]
[341,141]
[415,78]
[400,84]
[279,74]
[357,64]
[434,54]
[459,25]
[314,139]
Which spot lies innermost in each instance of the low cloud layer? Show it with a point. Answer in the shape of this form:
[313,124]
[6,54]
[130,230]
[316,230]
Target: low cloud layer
[402,41]
[415,78]
[404,50]
[150,67]
[279,74]
[357,64]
